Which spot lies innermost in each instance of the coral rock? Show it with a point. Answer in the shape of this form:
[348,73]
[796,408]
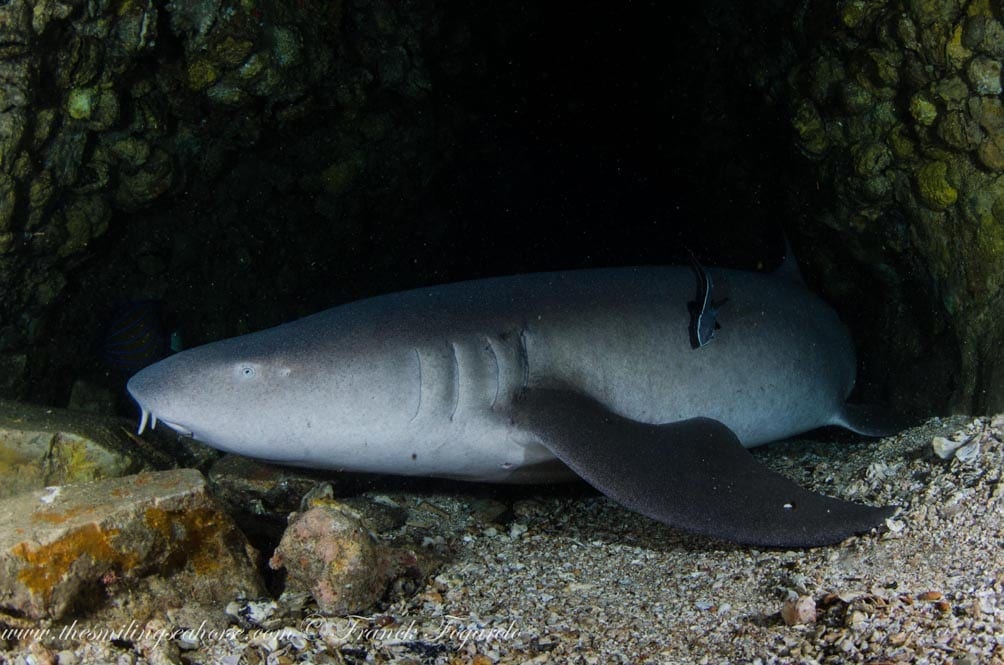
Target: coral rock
[60,545]
[46,446]
[328,552]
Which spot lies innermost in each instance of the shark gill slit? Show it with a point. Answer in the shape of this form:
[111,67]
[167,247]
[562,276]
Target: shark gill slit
[418,407]
[498,370]
[524,360]
[456,379]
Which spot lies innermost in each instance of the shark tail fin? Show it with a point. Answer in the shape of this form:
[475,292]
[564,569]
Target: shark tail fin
[870,420]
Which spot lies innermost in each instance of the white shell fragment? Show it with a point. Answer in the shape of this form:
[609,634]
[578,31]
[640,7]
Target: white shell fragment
[968,453]
[945,447]
[188,640]
[51,493]
[294,638]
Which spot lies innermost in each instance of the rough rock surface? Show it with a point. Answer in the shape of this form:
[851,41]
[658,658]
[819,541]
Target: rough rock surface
[898,105]
[261,496]
[211,110]
[67,548]
[139,138]
[42,446]
[328,552]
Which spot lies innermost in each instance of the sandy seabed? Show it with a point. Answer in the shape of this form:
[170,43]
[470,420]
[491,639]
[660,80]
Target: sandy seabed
[564,575]
[584,580]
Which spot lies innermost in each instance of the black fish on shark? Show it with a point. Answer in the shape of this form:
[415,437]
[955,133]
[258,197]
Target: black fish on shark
[703,310]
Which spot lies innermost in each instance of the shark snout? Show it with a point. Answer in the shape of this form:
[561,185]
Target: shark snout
[148,390]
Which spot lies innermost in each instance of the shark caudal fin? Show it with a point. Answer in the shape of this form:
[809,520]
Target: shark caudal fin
[870,420]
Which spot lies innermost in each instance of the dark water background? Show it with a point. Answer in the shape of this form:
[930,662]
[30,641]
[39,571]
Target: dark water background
[603,134]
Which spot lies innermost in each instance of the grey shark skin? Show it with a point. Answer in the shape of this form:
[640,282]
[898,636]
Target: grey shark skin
[533,377]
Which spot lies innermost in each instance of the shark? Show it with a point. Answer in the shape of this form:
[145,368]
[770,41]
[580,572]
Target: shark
[545,377]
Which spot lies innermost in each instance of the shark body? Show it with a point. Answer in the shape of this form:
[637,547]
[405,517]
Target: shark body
[541,377]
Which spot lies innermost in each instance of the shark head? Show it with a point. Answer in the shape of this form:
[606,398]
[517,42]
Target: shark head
[247,394]
[201,393]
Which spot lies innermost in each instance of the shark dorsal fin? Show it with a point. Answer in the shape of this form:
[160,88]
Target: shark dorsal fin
[789,265]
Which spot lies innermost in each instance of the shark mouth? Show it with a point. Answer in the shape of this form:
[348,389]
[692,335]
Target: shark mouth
[147,417]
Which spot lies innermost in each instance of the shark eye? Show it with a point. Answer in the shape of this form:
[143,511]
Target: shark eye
[246,372]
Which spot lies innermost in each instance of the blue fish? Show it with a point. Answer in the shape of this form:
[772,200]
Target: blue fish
[136,336]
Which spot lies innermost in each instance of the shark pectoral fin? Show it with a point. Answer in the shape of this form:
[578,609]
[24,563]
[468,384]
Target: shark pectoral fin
[870,420]
[693,474]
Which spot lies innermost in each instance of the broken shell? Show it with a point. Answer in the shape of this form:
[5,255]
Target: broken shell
[894,526]
[294,638]
[968,453]
[945,448]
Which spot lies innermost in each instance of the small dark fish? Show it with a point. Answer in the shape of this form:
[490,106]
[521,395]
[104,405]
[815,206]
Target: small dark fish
[136,337]
[703,310]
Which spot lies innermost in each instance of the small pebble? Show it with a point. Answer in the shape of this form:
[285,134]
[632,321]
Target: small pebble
[798,610]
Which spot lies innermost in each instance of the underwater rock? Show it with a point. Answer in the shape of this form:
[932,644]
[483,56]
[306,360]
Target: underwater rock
[124,121]
[798,610]
[969,453]
[985,75]
[935,190]
[914,177]
[328,551]
[90,397]
[245,483]
[259,496]
[42,446]
[945,447]
[271,492]
[378,516]
[983,33]
[66,548]
[13,373]
[923,110]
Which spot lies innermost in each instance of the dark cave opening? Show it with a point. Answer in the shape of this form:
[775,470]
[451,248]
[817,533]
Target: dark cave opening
[604,136]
